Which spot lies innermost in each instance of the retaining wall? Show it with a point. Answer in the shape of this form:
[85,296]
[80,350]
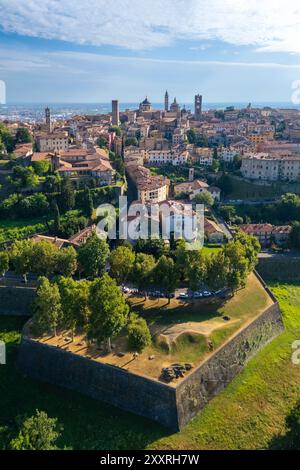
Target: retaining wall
[16,300]
[280,268]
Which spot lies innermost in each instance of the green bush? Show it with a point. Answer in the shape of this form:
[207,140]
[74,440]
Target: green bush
[139,336]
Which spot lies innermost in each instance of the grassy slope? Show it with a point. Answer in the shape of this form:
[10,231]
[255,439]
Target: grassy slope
[248,414]
[252,409]
[246,190]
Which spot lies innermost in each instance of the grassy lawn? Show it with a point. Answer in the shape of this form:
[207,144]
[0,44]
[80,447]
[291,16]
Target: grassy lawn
[250,413]
[207,250]
[20,223]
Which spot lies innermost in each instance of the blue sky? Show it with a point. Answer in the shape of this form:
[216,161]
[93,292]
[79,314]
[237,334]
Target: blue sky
[93,51]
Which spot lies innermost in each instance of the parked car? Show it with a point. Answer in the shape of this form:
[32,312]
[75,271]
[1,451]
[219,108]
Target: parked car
[206,293]
[183,295]
[170,296]
[197,295]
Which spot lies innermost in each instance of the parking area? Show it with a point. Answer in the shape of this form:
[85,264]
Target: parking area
[180,293]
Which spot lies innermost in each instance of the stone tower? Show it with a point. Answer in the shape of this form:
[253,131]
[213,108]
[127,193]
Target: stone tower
[115,112]
[198,107]
[166,101]
[48,120]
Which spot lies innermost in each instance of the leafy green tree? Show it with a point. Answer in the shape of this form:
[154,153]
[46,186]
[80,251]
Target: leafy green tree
[93,255]
[41,167]
[251,248]
[197,269]
[47,307]
[44,256]
[7,138]
[52,183]
[131,141]
[4,262]
[32,206]
[204,198]
[191,136]
[155,247]
[295,235]
[115,129]
[121,262]
[23,177]
[289,207]
[228,213]
[102,142]
[66,261]
[23,136]
[56,217]
[88,206]
[217,270]
[165,272]
[21,256]
[109,310]
[39,432]
[143,271]
[215,165]
[181,259]
[139,336]
[75,303]
[67,194]
[238,265]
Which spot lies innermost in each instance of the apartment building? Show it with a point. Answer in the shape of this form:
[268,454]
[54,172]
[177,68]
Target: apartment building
[150,188]
[271,167]
[167,157]
[54,142]
[267,233]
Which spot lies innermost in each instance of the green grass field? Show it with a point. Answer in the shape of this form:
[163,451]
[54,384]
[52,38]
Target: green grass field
[250,413]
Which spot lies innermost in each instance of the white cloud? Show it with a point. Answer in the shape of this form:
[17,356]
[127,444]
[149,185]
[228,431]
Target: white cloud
[268,25]
[27,60]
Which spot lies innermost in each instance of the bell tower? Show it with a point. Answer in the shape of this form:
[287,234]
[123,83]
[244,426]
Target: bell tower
[48,120]
[198,107]
[166,101]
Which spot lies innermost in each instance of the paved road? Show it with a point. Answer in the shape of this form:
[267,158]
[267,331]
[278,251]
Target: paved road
[289,254]
[249,202]
[223,226]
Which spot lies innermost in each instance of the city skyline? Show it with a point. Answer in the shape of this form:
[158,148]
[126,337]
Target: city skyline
[89,53]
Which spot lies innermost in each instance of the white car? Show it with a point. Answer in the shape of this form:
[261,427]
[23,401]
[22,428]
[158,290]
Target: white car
[198,295]
[206,293]
[183,295]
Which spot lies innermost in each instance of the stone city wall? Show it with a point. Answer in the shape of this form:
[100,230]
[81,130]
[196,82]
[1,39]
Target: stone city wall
[16,300]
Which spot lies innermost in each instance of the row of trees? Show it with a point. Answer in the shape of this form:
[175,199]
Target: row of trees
[286,210]
[45,258]
[229,267]
[97,308]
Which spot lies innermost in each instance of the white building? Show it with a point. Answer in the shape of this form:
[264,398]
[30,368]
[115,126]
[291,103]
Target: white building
[227,154]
